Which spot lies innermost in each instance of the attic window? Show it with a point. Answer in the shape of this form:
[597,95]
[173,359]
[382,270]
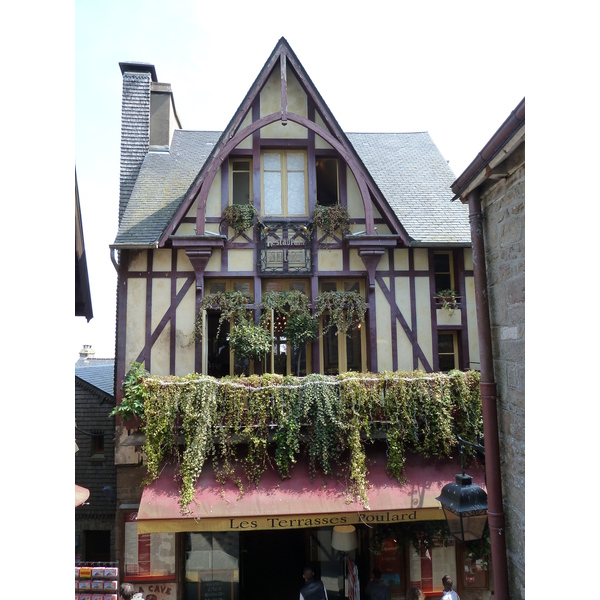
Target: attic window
[241,181]
[98,444]
[327,181]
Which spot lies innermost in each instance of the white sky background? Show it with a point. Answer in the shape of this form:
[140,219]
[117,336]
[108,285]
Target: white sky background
[391,68]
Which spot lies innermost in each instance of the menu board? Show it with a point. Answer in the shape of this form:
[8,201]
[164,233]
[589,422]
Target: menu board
[391,564]
[221,588]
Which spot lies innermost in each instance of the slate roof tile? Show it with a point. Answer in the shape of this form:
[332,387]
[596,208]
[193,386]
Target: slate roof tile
[407,168]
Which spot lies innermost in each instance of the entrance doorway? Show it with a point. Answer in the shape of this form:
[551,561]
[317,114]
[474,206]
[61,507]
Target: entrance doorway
[272,564]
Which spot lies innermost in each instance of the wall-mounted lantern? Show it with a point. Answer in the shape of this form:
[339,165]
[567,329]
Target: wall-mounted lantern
[464,503]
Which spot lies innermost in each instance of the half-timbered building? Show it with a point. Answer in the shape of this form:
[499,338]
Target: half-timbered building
[284,153]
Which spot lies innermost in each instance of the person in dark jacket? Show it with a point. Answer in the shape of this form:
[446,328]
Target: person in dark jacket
[312,589]
[377,589]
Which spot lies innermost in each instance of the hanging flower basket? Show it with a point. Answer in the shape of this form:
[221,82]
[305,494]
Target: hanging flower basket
[240,216]
[332,218]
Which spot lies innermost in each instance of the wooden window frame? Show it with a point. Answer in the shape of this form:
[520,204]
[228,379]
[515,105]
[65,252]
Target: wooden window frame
[232,162]
[229,287]
[456,354]
[342,339]
[450,255]
[283,153]
[337,178]
[285,287]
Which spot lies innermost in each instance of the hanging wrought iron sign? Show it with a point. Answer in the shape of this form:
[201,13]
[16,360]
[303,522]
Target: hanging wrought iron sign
[285,248]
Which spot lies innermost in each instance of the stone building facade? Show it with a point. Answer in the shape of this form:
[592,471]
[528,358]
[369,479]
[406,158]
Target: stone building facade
[498,175]
[95,539]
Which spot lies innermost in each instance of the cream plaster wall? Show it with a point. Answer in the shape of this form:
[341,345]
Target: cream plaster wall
[138,261]
[246,143]
[468,258]
[384,263]
[240,260]
[423,303]
[319,141]
[355,261]
[214,262]
[384,332]
[401,259]
[405,353]
[447,317]
[186,229]
[356,208]
[184,341]
[213,201]
[183,262]
[136,319]
[330,260]
[270,102]
[160,352]
[421,260]
[403,299]
[161,260]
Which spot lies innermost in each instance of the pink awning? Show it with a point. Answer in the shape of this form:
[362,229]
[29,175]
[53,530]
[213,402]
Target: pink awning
[298,502]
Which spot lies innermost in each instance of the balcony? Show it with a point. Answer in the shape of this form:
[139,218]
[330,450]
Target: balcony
[269,421]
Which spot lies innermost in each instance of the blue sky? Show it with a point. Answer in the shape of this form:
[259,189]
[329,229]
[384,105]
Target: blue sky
[397,67]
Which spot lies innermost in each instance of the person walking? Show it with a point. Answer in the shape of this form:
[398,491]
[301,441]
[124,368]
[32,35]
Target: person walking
[449,593]
[312,589]
[126,591]
[415,594]
[377,589]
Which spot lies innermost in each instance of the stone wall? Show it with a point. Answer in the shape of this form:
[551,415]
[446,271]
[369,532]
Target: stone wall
[94,471]
[504,233]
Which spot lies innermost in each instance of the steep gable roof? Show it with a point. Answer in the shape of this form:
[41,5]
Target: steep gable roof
[407,177]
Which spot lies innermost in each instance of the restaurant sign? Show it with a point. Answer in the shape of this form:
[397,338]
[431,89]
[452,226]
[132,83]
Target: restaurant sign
[285,523]
[285,248]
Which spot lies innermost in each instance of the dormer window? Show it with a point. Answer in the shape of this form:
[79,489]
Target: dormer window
[327,181]
[241,180]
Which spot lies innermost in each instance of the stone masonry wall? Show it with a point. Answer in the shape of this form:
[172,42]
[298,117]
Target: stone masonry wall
[504,234]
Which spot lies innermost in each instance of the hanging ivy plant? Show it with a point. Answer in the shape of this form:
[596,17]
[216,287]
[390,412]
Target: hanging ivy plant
[331,219]
[134,394]
[328,418]
[301,327]
[240,216]
[344,309]
[229,305]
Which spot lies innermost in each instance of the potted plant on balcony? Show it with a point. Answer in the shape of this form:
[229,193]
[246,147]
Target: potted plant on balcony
[332,218]
[248,340]
[448,299]
[239,216]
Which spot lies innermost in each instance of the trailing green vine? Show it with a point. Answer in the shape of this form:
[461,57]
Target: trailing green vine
[239,216]
[246,425]
[345,310]
[332,218]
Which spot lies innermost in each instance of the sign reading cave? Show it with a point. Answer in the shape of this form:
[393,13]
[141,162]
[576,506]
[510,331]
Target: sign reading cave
[285,248]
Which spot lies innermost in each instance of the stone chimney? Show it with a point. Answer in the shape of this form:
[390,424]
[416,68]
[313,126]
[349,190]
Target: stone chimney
[135,125]
[86,352]
[148,118]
